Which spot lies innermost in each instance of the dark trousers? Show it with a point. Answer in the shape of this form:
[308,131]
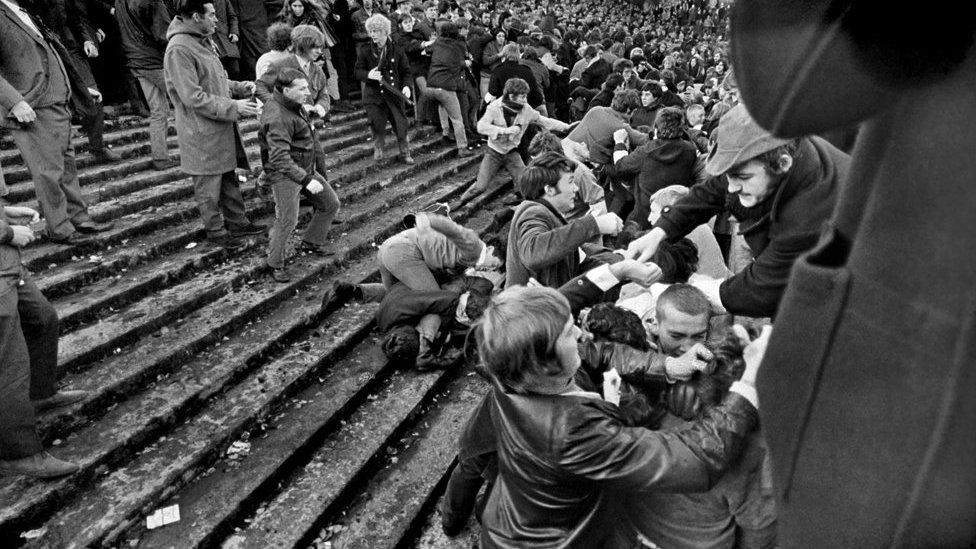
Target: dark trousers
[28,364]
[220,202]
[379,112]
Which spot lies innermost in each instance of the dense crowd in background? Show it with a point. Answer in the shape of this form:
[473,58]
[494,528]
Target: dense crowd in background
[655,222]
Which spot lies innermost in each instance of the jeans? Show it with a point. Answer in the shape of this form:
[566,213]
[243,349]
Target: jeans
[449,102]
[400,260]
[158,117]
[219,200]
[490,164]
[325,205]
[28,364]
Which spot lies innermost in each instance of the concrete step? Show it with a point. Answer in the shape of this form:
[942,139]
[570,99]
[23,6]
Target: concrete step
[133,422]
[137,168]
[162,205]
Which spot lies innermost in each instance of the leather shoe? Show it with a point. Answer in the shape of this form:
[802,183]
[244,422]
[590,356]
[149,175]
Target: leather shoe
[41,464]
[73,239]
[465,153]
[339,293]
[281,275]
[407,159]
[227,241]
[160,165]
[448,358]
[316,249]
[59,399]
[249,230]
[94,227]
[105,154]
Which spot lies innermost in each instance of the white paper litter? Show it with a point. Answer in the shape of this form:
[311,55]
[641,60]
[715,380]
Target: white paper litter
[162,517]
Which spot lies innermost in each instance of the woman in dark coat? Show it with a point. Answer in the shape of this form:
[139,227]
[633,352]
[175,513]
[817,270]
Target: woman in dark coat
[448,55]
[385,72]
[565,455]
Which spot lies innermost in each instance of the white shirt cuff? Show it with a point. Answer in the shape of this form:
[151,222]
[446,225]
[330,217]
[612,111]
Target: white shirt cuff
[602,278]
[747,391]
[710,287]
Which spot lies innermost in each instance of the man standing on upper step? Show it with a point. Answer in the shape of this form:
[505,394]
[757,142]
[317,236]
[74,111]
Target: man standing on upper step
[206,122]
[34,92]
[28,355]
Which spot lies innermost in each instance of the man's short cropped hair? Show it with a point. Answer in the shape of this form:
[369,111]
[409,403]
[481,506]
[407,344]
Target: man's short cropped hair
[625,101]
[287,76]
[620,65]
[515,86]
[683,298]
[279,36]
[510,52]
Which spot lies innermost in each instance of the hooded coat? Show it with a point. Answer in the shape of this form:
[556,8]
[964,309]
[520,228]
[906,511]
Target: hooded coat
[868,381]
[206,116]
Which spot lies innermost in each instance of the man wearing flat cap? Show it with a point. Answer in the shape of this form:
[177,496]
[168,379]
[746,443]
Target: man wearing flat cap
[780,191]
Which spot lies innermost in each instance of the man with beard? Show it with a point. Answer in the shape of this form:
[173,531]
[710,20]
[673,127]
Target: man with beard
[780,191]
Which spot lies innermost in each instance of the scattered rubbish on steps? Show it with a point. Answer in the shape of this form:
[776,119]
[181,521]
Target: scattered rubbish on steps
[162,517]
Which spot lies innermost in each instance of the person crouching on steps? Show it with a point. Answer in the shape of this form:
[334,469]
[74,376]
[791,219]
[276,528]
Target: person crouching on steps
[296,166]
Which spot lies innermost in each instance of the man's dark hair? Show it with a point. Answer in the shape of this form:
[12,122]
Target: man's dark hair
[770,158]
[401,345]
[608,322]
[589,51]
[613,81]
[279,36]
[449,30]
[187,8]
[670,123]
[544,171]
[287,76]
[677,260]
[620,65]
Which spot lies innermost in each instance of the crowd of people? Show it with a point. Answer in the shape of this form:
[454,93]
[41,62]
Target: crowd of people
[666,212]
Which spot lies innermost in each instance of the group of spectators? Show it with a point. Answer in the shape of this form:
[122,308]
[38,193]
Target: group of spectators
[655,226]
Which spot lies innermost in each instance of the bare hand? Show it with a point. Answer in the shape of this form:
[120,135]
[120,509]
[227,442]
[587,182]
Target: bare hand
[406,92]
[91,50]
[249,87]
[644,247]
[620,136]
[315,186]
[643,274]
[609,223]
[246,107]
[374,75]
[23,235]
[22,212]
[611,386]
[753,355]
[96,95]
[99,35]
[232,37]
[695,360]
[23,113]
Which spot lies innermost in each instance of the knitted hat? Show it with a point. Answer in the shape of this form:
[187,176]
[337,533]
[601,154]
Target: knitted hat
[740,139]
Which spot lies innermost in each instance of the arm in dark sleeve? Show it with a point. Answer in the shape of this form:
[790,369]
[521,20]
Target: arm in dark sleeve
[409,306]
[600,448]
[757,289]
[233,26]
[695,208]
[540,245]
[279,136]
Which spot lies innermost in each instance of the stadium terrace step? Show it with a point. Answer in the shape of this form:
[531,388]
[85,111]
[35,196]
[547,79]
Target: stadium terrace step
[120,177]
[128,210]
[385,509]
[126,427]
[353,183]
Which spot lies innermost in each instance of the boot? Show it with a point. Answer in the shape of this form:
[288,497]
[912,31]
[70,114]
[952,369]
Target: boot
[59,399]
[41,464]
